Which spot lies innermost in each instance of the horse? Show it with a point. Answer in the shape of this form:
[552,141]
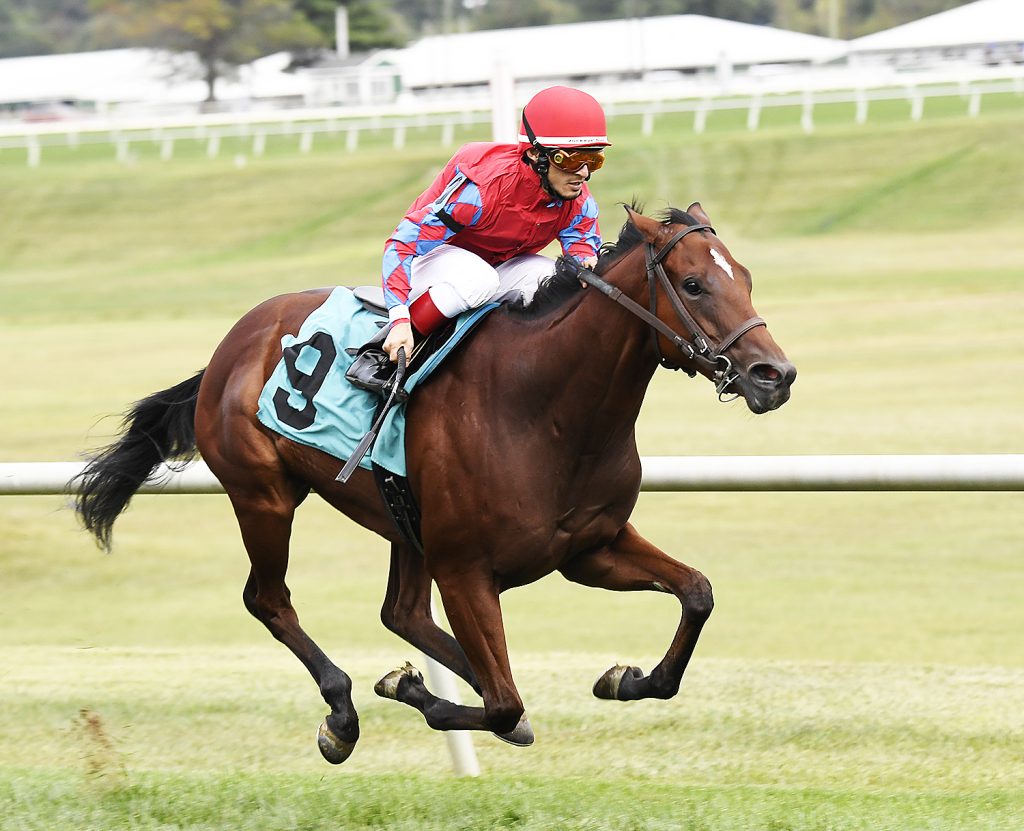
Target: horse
[521,455]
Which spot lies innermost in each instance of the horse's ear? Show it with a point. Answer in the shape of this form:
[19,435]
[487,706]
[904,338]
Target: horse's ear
[650,228]
[697,212]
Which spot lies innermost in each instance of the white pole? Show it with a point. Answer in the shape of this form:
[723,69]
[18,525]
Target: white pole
[460,742]
[924,472]
[974,104]
[862,106]
[968,472]
[504,124]
[447,134]
[807,116]
[754,113]
[916,105]
[700,117]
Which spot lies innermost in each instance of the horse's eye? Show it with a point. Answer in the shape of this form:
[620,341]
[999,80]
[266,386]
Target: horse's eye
[692,287]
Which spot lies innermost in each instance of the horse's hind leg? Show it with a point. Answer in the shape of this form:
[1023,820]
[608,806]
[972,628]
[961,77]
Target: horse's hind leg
[407,613]
[265,523]
[631,563]
[475,616]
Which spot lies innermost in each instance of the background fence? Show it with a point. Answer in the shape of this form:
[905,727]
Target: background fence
[305,126]
[923,472]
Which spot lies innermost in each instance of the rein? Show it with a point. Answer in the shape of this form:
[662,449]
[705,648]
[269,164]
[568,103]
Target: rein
[699,349]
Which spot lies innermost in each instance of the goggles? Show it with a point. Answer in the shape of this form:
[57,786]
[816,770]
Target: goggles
[570,161]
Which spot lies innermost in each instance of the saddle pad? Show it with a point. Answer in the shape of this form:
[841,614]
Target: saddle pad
[308,400]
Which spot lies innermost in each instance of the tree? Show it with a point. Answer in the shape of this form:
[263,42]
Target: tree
[371,24]
[223,34]
[39,27]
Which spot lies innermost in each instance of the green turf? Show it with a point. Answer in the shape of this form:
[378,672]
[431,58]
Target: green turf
[863,667]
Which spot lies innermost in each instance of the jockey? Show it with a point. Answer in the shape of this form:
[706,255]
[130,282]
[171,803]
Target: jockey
[474,234]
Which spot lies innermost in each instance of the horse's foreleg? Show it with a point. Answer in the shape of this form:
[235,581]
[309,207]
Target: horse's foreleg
[631,563]
[266,529]
[407,613]
[475,616]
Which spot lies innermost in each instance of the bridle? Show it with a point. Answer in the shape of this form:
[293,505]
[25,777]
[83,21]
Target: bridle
[699,349]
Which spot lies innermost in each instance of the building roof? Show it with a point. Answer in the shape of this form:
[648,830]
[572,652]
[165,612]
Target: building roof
[605,47]
[983,22]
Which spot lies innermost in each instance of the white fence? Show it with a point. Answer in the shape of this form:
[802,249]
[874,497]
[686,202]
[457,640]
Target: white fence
[965,472]
[304,126]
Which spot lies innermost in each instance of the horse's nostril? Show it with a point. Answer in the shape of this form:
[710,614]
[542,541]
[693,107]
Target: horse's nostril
[772,375]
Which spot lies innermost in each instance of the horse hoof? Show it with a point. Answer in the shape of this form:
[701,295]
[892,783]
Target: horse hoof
[387,687]
[521,736]
[333,749]
[607,686]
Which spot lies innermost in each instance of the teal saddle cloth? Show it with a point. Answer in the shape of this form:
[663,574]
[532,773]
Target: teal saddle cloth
[308,399]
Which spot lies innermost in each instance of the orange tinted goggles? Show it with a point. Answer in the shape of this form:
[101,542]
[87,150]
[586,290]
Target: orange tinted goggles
[572,160]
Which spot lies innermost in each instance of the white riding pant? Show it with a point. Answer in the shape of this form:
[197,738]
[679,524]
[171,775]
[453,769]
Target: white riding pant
[460,280]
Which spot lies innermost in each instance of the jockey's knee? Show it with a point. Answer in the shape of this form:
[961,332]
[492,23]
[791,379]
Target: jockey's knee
[453,299]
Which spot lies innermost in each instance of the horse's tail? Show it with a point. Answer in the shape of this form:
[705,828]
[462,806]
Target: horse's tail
[156,429]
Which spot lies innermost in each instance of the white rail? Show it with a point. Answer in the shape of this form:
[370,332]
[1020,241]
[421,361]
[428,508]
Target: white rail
[304,124]
[964,472]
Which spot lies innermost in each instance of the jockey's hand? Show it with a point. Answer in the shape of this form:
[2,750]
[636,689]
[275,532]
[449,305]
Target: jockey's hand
[399,335]
[589,263]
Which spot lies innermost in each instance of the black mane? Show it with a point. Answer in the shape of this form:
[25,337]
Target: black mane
[559,287]
[630,236]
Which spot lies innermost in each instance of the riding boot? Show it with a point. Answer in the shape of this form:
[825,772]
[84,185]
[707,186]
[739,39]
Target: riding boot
[372,368]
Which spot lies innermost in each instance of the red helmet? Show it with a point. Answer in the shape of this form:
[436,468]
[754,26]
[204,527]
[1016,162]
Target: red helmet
[563,117]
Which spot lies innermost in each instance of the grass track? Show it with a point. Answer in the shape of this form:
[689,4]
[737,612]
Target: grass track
[863,665]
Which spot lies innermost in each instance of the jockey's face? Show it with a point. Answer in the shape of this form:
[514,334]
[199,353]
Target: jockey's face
[563,184]
[567,185]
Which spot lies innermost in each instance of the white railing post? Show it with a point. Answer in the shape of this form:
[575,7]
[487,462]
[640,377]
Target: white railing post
[460,742]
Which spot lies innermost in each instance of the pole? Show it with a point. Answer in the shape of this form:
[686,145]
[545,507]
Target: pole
[924,472]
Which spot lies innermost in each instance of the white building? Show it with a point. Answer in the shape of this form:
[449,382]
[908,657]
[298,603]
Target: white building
[618,60]
[988,32]
[50,86]
[585,54]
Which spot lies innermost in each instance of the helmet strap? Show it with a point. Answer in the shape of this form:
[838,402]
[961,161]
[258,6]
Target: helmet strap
[541,164]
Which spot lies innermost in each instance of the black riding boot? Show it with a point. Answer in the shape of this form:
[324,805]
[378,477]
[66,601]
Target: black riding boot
[372,369]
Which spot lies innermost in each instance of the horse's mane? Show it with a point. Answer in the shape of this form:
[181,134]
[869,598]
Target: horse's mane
[560,286]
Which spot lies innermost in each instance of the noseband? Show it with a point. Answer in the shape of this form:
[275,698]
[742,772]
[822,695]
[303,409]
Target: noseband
[698,348]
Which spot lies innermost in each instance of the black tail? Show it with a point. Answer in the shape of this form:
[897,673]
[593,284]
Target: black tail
[156,429]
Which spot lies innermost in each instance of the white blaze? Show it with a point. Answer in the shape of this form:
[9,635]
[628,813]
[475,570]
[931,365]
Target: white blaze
[722,262]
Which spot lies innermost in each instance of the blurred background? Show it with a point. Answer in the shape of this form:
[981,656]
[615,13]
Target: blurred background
[71,58]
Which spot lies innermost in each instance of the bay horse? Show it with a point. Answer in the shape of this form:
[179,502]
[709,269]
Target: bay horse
[521,454]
